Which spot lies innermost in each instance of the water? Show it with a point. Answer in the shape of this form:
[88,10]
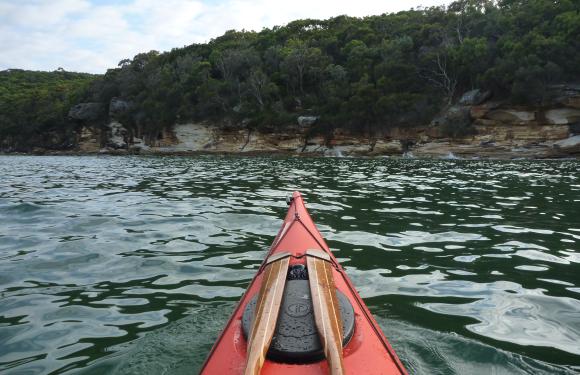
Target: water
[132,265]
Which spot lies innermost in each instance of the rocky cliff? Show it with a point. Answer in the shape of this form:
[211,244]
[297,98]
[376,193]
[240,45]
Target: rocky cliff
[476,126]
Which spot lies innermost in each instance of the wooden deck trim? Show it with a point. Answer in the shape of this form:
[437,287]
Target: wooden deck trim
[277,256]
[318,254]
[326,311]
[266,315]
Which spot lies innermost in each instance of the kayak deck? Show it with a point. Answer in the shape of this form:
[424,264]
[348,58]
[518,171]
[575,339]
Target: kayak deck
[367,352]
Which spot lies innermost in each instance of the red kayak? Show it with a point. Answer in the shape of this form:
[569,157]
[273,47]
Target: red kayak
[301,314]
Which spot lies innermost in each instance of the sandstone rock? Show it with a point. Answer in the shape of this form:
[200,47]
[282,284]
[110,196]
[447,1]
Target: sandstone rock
[431,149]
[231,141]
[314,149]
[116,136]
[274,142]
[255,142]
[387,147]
[570,145]
[565,94]
[406,132]
[511,116]
[307,120]
[336,152]
[89,140]
[474,97]
[485,140]
[165,138]
[562,116]
[551,132]
[85,111]
[573,102]
[138,145]
[190,137]
[493,151]
[362,148]
[454,115]
[510,134]
[348,140]
[315,144]
[487,123]
[283,140]
[118,107]
[431,132]
[479,111]
[494,139]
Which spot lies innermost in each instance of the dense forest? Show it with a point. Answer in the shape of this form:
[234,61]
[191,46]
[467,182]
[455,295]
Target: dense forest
[358,73]
[35,103]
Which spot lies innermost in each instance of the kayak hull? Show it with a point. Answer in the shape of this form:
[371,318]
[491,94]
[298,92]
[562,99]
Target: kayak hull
[367,352]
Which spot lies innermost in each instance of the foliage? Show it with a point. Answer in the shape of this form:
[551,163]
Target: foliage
[33,104]
[363,73]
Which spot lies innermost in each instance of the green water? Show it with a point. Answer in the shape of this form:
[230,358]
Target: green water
[132,265]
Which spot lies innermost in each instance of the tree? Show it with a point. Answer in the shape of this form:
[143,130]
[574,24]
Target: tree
[258,83]
[367,73]
[295,61]
[441,74]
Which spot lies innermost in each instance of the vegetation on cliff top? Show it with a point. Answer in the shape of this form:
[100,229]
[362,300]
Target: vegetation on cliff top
[391,69]
[32,104]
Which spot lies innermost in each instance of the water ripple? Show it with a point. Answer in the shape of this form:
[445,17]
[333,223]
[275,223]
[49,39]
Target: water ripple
[133,264]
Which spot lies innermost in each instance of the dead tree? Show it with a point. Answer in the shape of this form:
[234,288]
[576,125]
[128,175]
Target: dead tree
[440,75]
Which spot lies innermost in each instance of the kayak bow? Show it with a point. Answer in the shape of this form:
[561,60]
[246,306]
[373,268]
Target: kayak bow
[301,314]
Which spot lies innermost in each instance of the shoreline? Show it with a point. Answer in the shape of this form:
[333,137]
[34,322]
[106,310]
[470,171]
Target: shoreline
[285,153]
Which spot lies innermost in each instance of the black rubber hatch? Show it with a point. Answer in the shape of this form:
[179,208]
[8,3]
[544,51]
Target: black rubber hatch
[296,338]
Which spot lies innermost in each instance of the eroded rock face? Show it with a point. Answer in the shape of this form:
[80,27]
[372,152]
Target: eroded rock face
[307,120]
[86,111]
[447,150]
[562,116]
[454,115]
[119,107]
[567,95]
[387,147]
[493,140]
[344,144]
[89,140]
[200,137]
[207,138]
[137,145]
[117,136]
[275,142]
[479,111]
[192,137]
[510,116]
[488,131]
[315,145]
[474,97]
[569,145]
[573,102]
[500,131]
